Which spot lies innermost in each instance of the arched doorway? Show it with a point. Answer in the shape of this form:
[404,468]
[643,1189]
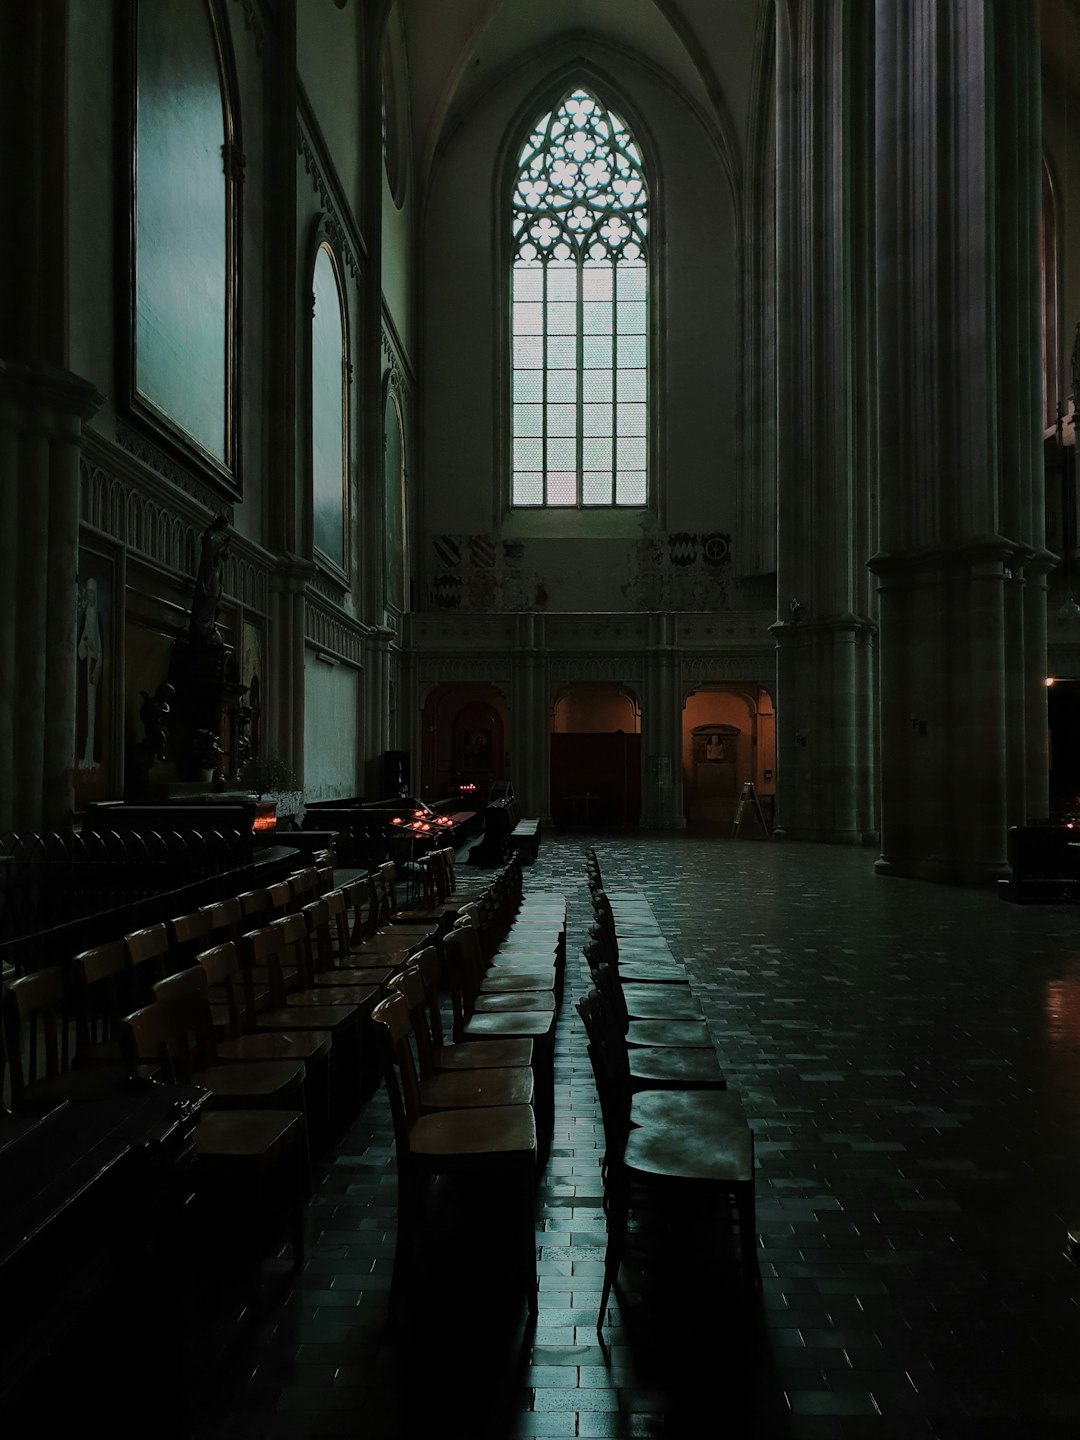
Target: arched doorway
[728,738]
[465,741]
[595,757]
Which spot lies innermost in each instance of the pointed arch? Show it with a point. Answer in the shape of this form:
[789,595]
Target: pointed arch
[578,223]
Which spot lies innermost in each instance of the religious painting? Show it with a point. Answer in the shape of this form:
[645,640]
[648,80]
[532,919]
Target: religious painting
[97,656]
[477,750]
[251,675]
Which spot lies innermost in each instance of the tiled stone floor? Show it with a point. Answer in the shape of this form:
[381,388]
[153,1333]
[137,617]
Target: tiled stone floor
[909,1059]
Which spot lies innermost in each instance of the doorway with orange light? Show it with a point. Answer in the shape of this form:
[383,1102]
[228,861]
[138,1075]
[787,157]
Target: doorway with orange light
[728,738]
[595,757]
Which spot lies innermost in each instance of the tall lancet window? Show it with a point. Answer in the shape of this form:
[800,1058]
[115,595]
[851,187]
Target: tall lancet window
[580,301]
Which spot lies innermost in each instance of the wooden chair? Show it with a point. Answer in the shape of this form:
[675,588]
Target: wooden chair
[497,1145]
[508,987]
[147,951]
[251,1170]
[692,1033]
[684,1165]
[458,1088]
[646,1068]
[38,1032]
[332,963]
[468,1054]
[101,983]
[535,1025]
[177,1031]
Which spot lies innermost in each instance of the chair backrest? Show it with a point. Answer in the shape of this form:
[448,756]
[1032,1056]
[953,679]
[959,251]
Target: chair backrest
[264,946]
[316,914]
[410,983]
[325,872]
[189,1012]
[221,966]
[146,1038]
[430,967]
[148,951]
[391,1020]
[606,980]
[296,946]
[36,1029]
[337,911]
[611,1068]
[303,886]
[102,981]
[188,935]
[226,919]
[460,979]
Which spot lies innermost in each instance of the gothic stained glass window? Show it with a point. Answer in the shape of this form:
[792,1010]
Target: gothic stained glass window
[580,300]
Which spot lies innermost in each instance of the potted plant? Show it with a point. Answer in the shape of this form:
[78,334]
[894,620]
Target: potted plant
[273,778]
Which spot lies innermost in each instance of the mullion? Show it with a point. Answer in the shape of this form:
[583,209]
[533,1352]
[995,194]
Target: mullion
[579,379]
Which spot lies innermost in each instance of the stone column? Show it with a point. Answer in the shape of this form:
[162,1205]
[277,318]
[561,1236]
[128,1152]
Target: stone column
[41,415]
[825,435]
[959,475]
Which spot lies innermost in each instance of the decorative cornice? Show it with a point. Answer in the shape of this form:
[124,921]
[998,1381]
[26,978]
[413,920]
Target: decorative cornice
[401,377]
[339,220]
[150,456]
[334,634]
[159,523]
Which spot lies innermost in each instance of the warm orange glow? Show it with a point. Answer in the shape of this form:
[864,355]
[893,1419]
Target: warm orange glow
[264,822]
[396,820]
[1049,681]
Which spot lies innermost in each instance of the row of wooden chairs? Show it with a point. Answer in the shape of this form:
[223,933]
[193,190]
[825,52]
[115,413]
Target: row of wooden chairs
[675,1135]
[482,1106]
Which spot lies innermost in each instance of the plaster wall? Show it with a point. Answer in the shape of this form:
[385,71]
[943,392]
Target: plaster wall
[332,740]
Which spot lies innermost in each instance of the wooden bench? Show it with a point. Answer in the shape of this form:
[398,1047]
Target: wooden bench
[524,840]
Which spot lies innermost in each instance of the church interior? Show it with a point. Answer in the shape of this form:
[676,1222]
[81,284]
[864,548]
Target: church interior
[655,419]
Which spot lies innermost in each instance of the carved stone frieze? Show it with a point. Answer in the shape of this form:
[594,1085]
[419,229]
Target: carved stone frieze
[142,449]
[334,633]
[475,669]
[139,508]
[758,666]
[610,668]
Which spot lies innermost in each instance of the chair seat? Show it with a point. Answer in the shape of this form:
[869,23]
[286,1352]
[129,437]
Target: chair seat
[692,1033]
[674,1066]
[261,1136]
[534,1024]
[462,1089]
[483,1054]
[362,995]
[722,1152]
[252,1083]
[660,1002]
[314,1017]
[503,982]
[275,1045]
[704,1110]
[542,1001]
[497,1129]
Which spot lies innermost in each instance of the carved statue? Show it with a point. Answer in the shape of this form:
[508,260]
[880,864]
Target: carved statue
[154,709]
[208,582]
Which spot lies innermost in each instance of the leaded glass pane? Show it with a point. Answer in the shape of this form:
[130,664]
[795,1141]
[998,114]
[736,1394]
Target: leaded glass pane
[631,385]
[596,419]
[561,487]
[579,224]
[596,318]
[528,319]
[596,351]
[528,420]
[631,419]
[596,488]
[630,351]
[528,282]
[562,385]
[597,386]
[630,487]
[562,282]
[528,489]
[529,385]
[528,352]
[528,454]
[561,318]
[562,419]
[630,317]
[562,453]
[630,452]
[596,453]
[562,352]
